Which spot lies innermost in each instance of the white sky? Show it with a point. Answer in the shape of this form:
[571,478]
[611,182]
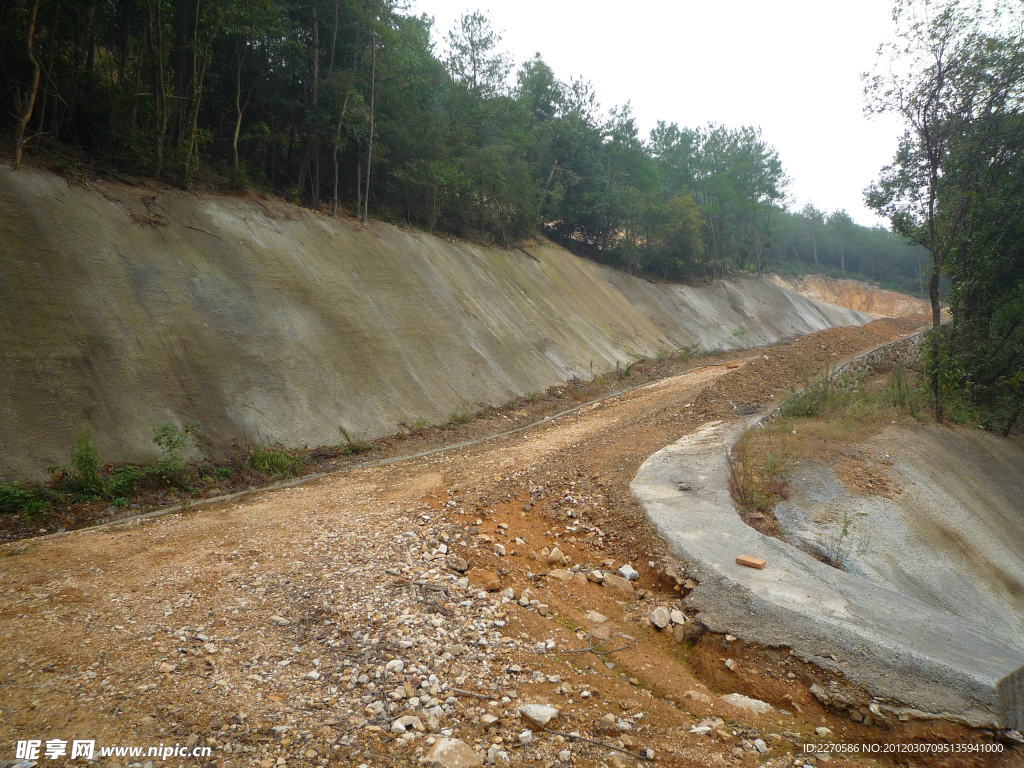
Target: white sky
[791,67]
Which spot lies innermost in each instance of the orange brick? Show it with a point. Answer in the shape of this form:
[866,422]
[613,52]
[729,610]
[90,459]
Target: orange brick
[751,562]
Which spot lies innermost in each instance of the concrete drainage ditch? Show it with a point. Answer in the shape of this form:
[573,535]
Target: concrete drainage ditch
[898,656]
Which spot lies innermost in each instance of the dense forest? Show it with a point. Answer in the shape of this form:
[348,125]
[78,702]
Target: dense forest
[345,106]
[956,187]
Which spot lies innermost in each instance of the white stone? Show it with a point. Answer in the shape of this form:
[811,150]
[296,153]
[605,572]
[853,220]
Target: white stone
[406,723]
[541,714]
[453,753]
[660,617]
[556,557]
[748,703]
[627,571]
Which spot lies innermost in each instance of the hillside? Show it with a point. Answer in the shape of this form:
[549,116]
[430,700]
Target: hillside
[125,307]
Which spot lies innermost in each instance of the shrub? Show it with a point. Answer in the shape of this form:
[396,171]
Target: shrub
[123,481]
[755,481]
[175,443]
[85,466]
[684,354]
[459,417]
[31,503]
[274,461]
[418,427]
[624,373]
[354,445]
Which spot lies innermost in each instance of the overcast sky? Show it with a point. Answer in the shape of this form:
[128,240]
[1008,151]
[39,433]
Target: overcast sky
[791,67]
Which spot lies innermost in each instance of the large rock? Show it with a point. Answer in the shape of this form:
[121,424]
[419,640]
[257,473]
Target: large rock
[627,571]
[453,753]
[561,574]
[407,723]
[557,557]
[618,583]
[539,714]
[660,617]
[457,563]
[748,703]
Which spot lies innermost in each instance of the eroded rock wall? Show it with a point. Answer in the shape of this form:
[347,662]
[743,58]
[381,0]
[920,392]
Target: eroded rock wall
[854,294]
[124,307]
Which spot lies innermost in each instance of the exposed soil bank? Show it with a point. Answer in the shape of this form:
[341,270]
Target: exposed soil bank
[854,295]
[124,307]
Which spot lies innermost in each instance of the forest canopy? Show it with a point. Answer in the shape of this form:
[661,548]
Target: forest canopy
[345,106]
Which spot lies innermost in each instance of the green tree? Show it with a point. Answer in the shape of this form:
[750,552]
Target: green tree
[961,72]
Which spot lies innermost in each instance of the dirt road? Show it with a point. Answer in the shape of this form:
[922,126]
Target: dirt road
[372,616]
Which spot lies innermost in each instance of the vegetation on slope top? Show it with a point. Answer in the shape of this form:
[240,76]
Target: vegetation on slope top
[343,104]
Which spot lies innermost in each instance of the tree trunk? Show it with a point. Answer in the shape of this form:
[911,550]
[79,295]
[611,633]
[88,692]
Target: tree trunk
[156,45]
[373,116]
[1012,422]
[337,141]
[183,64]
[238,109]
[933,294]
[54,36]
[547,188]
[30,99]
[314,139]
[192,157]
[334,37]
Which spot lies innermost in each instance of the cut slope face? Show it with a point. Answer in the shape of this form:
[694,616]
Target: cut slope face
[950,537]
[928,619]
[899,648]
[122,308]
[854,294]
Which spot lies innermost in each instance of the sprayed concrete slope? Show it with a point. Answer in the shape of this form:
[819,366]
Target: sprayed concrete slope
[901,649]
[124,307]
[854,295]
[921,627]
[950,537]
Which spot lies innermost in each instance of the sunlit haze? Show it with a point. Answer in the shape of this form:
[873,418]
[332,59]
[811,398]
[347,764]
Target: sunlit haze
[792,67]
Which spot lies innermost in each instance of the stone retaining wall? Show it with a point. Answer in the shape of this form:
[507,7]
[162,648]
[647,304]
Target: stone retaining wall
[901,351]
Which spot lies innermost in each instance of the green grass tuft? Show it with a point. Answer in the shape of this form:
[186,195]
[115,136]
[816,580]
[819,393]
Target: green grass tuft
[274,461]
